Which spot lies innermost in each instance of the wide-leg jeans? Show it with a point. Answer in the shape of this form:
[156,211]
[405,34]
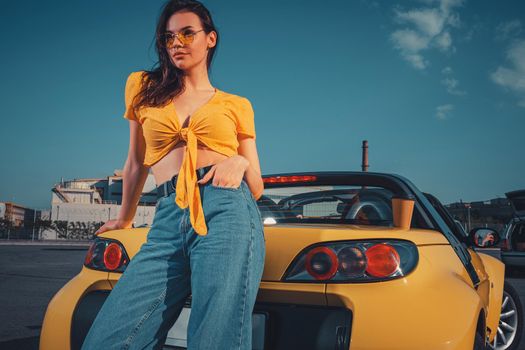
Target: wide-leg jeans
[222,271]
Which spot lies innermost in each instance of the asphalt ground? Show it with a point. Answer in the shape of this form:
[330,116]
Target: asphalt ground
[31,274]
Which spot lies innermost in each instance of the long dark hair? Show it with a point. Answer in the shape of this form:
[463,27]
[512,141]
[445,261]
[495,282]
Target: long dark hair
[164,82]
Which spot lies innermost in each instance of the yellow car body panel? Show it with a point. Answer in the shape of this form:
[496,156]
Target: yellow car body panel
[390,315]
[386,315]
[495,269]
[56,327]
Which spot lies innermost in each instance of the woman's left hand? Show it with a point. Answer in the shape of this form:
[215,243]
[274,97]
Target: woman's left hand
[227,173]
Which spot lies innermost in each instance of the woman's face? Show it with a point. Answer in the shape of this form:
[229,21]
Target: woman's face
[186,56]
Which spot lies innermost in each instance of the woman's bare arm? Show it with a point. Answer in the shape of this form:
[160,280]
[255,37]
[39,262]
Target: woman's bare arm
[248,149]
[134,174]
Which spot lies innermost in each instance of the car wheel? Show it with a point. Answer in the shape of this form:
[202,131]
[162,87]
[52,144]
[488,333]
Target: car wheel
[511,321]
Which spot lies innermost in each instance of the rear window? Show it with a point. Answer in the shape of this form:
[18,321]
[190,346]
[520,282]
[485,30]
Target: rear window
[338,204]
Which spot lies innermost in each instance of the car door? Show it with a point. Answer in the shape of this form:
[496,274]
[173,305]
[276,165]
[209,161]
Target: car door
[516,232]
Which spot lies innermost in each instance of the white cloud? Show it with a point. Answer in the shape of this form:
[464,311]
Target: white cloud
[447,5]
[428,21]
[513,77]
[451,83]
[473,29]
[508,29]
[417,61]
[409,40]
[452,86]
[446,70]
[425,28]
[444,41]
[443,111]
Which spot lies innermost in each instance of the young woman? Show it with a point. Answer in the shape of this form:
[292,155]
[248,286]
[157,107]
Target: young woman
[207,235]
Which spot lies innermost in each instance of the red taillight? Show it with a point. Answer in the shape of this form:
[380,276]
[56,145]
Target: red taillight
[321,263]
[383,260]
[288,179]
[354,261]
[112,256]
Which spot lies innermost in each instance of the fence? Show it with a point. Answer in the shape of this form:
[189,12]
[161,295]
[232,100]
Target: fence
[47,229]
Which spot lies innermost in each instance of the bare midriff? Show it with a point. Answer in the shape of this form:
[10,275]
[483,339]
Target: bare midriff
[170,164]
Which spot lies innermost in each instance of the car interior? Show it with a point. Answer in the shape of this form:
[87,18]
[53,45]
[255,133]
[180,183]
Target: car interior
[357,206]
[518,237]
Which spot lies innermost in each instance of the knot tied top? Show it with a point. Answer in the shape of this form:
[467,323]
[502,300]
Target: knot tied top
[215,124]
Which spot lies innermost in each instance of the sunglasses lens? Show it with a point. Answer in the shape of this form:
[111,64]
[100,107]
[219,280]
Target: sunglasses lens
[186,38]
[169,40]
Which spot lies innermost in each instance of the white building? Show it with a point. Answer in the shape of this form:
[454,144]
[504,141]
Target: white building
[98,200]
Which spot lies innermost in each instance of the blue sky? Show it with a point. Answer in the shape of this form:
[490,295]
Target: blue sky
[437,87]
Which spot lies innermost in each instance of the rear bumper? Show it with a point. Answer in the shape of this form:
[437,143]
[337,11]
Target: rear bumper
[432,308]
[288,326]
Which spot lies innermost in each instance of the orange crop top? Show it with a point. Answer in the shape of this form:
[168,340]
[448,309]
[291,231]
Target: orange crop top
[215,124]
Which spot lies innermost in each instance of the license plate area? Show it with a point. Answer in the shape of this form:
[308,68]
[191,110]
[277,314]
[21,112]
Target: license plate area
[177,335]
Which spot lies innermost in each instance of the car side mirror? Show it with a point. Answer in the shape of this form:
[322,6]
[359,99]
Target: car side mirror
[483,237]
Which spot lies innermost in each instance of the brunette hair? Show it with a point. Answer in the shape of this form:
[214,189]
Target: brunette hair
[164,82]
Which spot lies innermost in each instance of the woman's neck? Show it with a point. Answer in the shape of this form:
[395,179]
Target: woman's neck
[197,80]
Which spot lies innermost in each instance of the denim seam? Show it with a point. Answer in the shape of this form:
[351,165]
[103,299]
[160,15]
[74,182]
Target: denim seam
[249,197]
[247,271]
[184,227]
[152,308]
[246,286]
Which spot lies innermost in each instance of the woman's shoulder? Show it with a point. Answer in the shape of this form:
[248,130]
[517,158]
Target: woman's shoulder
[136,75]
[234,98]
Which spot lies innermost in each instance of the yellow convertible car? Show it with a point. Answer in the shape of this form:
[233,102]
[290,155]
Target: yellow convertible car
[354,260]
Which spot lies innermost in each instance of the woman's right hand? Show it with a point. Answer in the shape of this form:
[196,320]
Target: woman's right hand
[115,224]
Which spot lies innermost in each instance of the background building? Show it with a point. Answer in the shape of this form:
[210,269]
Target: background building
[87,200]
[16,214]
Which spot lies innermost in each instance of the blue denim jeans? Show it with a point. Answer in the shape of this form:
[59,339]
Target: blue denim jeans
[222,271]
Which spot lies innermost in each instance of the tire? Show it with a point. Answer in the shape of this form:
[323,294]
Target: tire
[479,343]
[511,302]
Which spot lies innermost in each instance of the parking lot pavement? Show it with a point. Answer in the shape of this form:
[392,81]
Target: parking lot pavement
[30,274]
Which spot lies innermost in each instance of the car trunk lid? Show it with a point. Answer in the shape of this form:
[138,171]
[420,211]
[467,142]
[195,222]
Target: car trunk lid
[517,199]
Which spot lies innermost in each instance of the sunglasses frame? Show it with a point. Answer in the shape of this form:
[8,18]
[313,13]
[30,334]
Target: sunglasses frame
[185,39]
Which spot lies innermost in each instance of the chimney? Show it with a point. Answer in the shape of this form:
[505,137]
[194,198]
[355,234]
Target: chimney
[364,164]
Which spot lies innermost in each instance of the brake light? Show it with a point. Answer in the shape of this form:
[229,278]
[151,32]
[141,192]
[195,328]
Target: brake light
[321,263]
[112,256]
[289,179]
[106,255]
[354,261]
[383,260]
